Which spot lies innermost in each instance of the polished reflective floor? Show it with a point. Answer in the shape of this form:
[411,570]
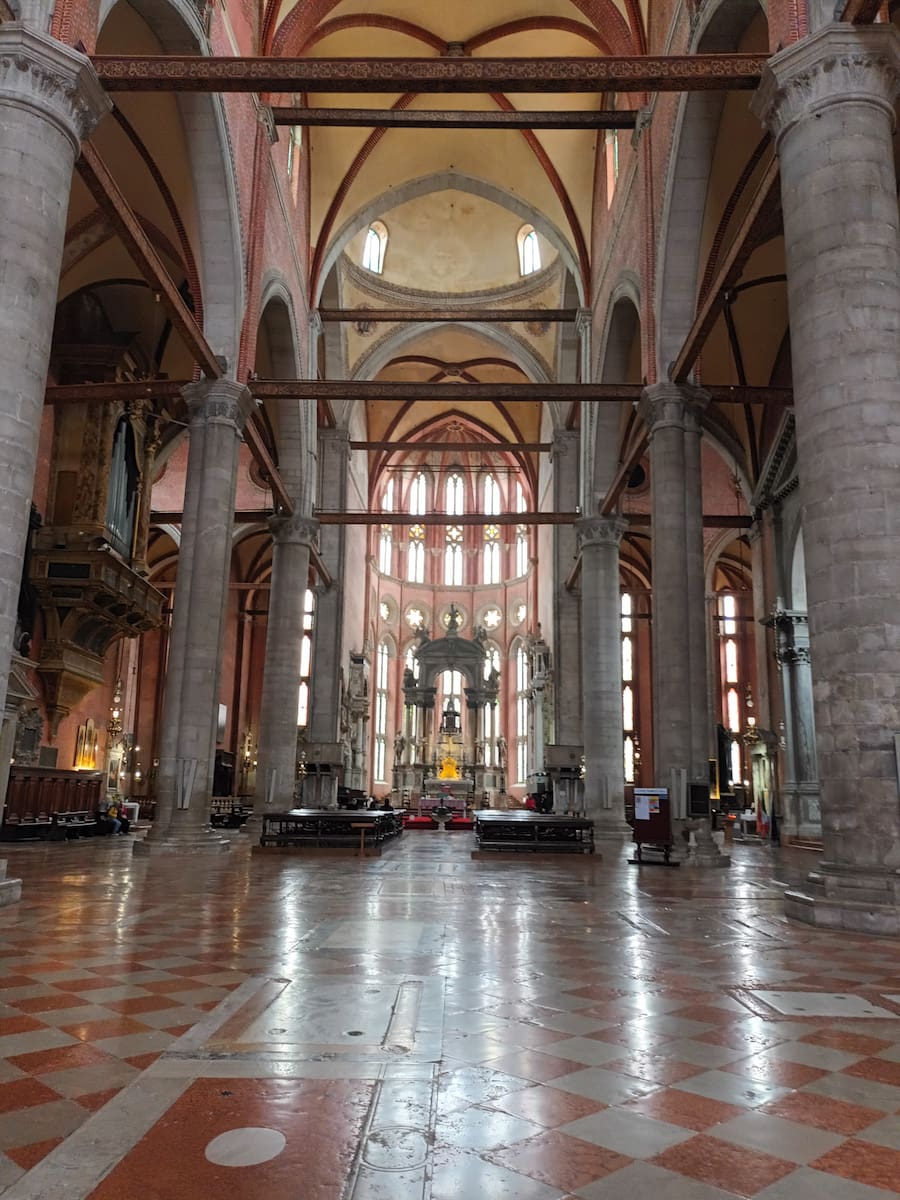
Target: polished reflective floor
[424,1025]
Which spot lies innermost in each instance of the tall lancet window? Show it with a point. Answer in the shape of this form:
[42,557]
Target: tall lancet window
[629,721]
[382,675]
[415,550]
[522,689]
[386,538]
[521,535]
[454,502]
[491,550]
[733,682]
[305,659]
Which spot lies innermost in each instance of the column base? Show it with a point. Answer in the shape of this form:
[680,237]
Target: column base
[859,899]
[704,852]
[10,889]
[200,841]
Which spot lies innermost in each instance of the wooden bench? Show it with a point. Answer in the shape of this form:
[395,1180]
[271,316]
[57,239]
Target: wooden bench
[226,812]
[29,827]
[328,828]
[65,825]
[534,832]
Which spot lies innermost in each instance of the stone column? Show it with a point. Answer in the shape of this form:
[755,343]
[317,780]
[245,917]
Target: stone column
[681,722]
[218,410]
[277,753]
[829,102]
[601,673]
[50,100]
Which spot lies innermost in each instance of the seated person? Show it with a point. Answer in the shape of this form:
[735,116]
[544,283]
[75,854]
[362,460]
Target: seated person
[113,819]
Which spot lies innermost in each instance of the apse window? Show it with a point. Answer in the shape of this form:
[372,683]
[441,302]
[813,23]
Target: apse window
[374,247]
[529,250]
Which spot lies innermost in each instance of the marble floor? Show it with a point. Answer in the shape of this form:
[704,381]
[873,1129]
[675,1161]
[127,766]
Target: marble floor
[427,1026]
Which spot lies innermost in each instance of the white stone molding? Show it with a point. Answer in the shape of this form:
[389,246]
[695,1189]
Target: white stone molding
[839,64]
[42,75]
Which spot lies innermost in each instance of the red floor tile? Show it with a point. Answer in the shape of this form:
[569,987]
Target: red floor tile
[61,1058]
[24,1093]
[321,1120]
[22,1024]
[52,1003]
[685,1109]
[839,1039]
[744,1172]
[29,1156]
[836,1116]
[96,1100]
[863,1162]
[559,1161]
[141,1061]
[879,1070]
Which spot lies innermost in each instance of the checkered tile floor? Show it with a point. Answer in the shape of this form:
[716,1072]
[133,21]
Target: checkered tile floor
[609,1033]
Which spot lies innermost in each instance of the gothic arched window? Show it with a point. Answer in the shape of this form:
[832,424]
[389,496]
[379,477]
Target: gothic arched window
[522,691]
[386,538]
[529,250]
[374,247]
[382,675]
[305,658]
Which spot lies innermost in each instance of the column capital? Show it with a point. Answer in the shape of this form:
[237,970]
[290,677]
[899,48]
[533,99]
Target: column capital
[584,319]
[838,64]
[294,530]
[600,531]
[43,75]
[221,400]
[672,405]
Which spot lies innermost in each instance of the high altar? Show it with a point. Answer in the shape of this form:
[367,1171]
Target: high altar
[450,756]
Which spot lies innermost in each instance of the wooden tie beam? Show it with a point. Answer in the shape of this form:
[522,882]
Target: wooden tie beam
[420,118]
[461,447]
[639,73]
[640,520]
[405,392]
[433,315]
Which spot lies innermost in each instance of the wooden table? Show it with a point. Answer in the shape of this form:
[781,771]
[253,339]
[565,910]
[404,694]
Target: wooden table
[526,830]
